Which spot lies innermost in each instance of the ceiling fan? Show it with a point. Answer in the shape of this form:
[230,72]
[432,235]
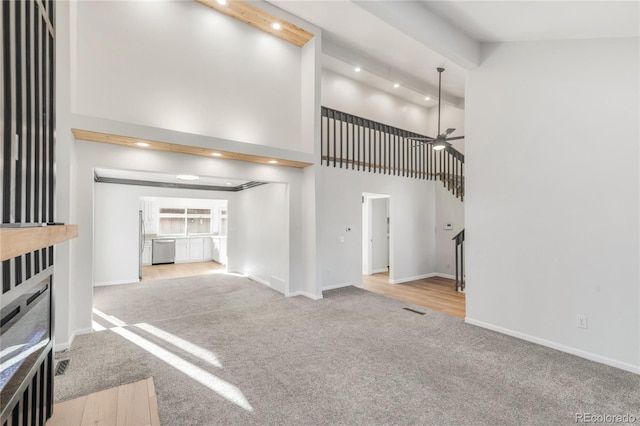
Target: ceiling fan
[441,141]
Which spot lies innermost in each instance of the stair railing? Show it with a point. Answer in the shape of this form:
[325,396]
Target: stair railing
[459,247]
[365,145]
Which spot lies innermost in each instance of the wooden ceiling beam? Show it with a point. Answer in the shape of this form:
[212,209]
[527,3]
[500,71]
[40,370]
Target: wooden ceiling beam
[90,136]
[261,20]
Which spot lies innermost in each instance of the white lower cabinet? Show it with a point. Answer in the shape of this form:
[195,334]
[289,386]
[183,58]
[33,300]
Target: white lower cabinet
[182,250]
[193,249]
[146,253]
[208,244]
[196,249]
[219,250]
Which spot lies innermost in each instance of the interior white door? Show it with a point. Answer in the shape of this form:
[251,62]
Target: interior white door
[379,235]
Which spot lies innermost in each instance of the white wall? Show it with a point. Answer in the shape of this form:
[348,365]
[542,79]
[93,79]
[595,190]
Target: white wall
[91,155]
[182,66]
[181,73]
[412,213]
[261,231]
[115,227]
[449,209]
[553,190]
[350,96]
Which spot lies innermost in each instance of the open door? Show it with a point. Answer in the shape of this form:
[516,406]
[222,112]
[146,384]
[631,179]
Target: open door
[375,232]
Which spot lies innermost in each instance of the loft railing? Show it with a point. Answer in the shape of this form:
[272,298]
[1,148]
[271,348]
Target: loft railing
[459,247]
[360,144]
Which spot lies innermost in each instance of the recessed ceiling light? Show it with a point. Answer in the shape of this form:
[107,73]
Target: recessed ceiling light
[396,85]
[187,177]
[143,144]
[222,2]
[357,69]
[217,154]
[276,26]
[229,183]
[273,161]
[427,98]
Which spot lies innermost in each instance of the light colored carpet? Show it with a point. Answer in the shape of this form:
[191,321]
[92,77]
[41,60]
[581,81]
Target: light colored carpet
[353,358]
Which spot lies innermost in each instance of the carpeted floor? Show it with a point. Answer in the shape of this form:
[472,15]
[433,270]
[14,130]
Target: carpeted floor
[243,354]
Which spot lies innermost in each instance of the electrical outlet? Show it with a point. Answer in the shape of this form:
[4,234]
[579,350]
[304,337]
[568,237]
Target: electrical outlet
[581,321]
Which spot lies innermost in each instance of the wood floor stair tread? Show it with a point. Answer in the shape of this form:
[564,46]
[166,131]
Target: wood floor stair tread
[132,404]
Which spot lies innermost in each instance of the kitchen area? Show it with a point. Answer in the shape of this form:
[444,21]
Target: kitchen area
[182,230]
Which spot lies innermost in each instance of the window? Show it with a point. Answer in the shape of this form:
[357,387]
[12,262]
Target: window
[184,221]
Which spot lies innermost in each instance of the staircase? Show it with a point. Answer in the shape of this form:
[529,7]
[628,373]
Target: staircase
[364,145]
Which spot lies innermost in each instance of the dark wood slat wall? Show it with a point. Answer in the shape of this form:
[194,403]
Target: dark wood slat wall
[366,145]
[27,101]
[28,123]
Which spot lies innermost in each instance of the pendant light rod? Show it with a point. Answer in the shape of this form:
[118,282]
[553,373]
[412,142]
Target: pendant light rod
[439,95]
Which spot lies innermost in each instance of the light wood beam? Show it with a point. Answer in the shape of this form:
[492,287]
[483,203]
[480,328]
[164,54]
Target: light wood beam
[261,20]
[18,241]
[90,136]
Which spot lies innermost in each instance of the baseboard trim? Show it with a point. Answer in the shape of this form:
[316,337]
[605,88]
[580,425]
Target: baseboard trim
[407,279]
[305,294]
[119,282]
[558,346]
[58,347]
[335,286]
[379,271]
[422,277]
[259,280]
[448,276]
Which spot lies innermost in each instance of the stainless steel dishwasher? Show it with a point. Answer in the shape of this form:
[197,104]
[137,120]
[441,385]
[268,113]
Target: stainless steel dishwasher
[163,251]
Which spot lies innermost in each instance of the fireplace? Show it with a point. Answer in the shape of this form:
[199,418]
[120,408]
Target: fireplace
[26,354]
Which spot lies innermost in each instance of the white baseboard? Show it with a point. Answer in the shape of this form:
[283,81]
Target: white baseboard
[334,286]
[259,280]
[422,277]
[407,279]
[305,294]
[558,346]
[449,276]
[379,271]
[130,281]
[58,347]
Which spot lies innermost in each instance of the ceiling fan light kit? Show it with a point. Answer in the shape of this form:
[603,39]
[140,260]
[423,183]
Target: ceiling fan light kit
[441,141]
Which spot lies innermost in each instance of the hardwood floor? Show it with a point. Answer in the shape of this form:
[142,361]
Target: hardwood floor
[178,270]
[130,404]
[434,293]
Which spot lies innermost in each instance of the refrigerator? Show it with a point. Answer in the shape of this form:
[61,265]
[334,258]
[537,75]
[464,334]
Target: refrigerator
[141,234]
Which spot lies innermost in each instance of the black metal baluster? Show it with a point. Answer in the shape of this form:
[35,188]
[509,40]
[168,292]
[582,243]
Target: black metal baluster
[335,147]
[341,138]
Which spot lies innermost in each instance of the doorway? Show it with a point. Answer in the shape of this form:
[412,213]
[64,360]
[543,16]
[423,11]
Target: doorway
[376,234]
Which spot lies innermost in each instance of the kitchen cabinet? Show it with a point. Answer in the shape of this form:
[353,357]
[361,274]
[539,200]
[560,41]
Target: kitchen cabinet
[182,250]
[146,253]
[196,249]
[208,252]
[219,250]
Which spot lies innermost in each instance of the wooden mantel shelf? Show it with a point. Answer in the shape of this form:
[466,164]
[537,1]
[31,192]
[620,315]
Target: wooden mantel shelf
[18,241]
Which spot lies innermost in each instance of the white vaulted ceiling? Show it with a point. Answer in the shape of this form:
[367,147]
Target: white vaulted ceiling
[404,41]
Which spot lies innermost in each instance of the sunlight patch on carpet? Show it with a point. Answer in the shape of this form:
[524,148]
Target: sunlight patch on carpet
[180,343]
[225,389]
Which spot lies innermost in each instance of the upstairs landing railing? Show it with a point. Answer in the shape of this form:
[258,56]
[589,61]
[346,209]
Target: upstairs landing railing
[364,145]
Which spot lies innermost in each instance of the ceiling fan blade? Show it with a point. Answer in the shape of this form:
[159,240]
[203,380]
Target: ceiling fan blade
[427,139]
[449,131]
[456,138]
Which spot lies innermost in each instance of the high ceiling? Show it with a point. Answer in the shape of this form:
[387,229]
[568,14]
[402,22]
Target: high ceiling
[496,21]
[404,41]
